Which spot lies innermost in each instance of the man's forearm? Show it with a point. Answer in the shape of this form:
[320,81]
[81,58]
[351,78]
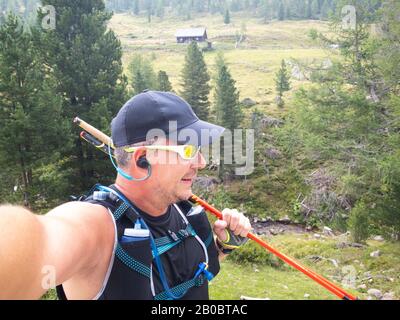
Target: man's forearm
[21,246]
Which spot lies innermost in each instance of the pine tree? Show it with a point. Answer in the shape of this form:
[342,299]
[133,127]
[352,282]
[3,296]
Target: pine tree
[32,130]
[228,110]
[309,9]
[138,82]
[288,13]
[160,9]
[282,81]
[281,12]
[85,57]
[136,8]
[265,10]
[226,96]
[163,82]
[227,18]
[143,75]
[325,10]
[195,80]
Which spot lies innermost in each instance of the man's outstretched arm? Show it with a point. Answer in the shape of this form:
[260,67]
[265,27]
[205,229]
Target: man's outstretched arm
[69,240]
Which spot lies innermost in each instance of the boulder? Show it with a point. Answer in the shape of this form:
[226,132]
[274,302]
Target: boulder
[247,102]
[297,73]
[334,262]
[270,122]
[204,183]
[389,296]
[378,238]
[252,298]
[285,220]
[328,231]
[273,231]
[357,245]
[273,153]
[375,293]
[375,254]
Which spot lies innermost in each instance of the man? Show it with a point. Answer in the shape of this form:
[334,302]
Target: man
[137,239]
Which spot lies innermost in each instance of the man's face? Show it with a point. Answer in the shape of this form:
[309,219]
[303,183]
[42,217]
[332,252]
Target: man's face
[172,177]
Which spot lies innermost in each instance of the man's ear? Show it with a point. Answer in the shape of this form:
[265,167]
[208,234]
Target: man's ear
[139,153]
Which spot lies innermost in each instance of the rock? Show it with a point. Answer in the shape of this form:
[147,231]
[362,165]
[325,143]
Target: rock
[204,183]
[375,254]
[362,287]
[297,73]
[389,296]
[273,153]
[341,245]
[252,298]
[309,228]
[357,245]
[268,219]
[327,64]
[317,236]
[315,258]
[285,220]
[247,102]
[279,101]
[306,296]
[273,231]
[255,220]
[378,238]
[327,231]
[375,293]
[270,121]
[334,262]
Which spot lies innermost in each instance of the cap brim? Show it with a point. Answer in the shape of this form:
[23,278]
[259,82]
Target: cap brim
[199,133]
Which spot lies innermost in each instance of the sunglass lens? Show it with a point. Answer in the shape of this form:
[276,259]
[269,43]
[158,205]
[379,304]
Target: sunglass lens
[190,151]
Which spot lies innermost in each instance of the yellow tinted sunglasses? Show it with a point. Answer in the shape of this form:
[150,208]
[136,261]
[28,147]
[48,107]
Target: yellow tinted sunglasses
[186,151]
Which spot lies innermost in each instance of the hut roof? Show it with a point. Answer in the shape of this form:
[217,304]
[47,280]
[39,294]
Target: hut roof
[192,32]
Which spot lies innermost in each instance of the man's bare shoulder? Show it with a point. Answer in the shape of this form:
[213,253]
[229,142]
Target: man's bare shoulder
[84,232]
[81,208]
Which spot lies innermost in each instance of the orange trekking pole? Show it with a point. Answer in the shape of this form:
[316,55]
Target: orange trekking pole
[99,140]
[322,281]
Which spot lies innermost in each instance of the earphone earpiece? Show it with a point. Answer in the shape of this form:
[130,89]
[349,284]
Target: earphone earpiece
[143,163]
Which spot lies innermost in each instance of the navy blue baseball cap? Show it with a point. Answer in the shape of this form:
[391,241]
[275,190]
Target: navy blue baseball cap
[151,113]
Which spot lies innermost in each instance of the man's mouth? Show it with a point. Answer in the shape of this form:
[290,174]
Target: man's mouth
[187,180]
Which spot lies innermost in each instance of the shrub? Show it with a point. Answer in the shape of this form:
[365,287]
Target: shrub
[252,252]
[358,222]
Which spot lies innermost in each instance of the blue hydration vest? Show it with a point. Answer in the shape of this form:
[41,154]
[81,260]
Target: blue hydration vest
[130,274]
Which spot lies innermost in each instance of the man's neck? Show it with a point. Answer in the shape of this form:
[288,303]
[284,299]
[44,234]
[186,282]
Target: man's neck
[151,206]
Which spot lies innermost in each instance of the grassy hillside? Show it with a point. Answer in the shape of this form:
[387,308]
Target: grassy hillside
[264,281]
[253,63]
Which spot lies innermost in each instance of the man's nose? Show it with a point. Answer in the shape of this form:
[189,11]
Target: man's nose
[199,162]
